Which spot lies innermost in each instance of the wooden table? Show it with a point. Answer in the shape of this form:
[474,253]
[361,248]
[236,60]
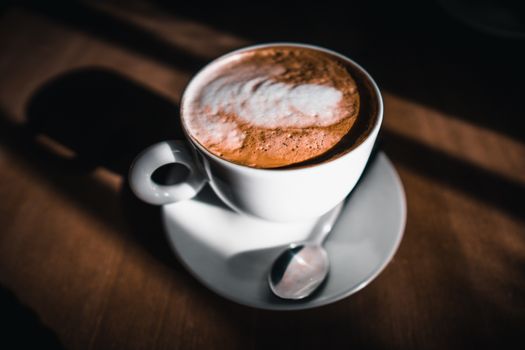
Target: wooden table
[84,264]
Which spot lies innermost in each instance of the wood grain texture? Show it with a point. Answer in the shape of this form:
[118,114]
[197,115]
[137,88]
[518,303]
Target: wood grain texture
[84,264]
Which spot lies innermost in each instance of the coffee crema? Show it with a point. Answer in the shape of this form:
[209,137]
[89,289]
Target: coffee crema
[273,107]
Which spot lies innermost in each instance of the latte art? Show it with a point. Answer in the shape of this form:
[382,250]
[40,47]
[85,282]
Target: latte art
[273,107]
[255,98]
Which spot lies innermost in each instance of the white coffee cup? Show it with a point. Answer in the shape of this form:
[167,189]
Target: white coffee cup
[287,194]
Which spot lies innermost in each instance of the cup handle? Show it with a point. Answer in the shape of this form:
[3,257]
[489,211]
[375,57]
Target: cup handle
[154,157]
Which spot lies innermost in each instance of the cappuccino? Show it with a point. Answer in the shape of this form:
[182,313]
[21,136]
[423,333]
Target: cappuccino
[276,107]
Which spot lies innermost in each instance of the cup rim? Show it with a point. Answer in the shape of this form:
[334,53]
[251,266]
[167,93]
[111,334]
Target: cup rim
[201,148]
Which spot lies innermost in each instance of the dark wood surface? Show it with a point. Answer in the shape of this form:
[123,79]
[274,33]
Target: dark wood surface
[84,264]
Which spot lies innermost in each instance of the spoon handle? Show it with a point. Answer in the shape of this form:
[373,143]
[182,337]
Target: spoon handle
[325,223]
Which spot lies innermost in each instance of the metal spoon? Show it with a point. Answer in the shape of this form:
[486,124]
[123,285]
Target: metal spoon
[301,268]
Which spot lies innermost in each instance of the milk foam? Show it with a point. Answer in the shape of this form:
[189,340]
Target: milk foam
[254,97]
[271,107]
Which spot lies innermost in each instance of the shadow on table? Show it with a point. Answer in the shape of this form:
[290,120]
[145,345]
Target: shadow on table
[21,326]
[94,118]
[103,120]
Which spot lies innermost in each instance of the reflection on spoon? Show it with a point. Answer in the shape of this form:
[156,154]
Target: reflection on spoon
[301,268]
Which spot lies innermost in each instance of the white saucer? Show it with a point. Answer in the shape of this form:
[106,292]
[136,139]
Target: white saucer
[231,254]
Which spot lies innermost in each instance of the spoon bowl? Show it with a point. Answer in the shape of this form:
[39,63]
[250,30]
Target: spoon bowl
[303,267]
[299,271]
